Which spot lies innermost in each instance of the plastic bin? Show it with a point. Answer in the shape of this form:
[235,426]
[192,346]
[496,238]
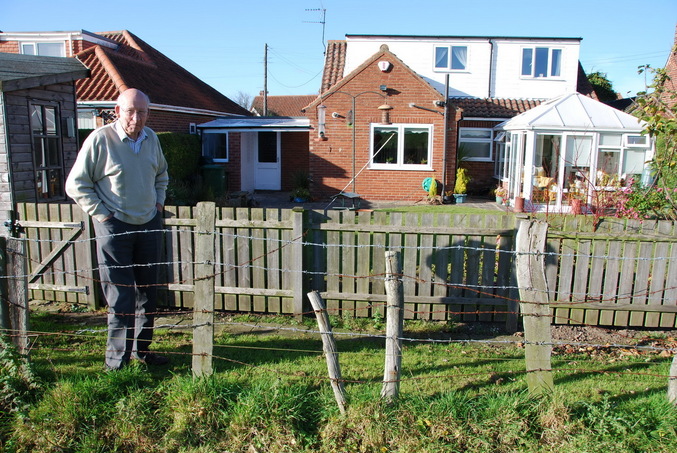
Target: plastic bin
[215,177]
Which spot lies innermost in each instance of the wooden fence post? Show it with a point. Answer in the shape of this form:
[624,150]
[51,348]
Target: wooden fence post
[4,299]
[672,381]
[15,313]
[394,326]
[530,263]
[329,348]
[203,311]
[296,265]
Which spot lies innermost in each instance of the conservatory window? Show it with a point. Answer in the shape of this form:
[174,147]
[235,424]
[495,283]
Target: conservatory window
[400,146]
[633,163]
[476,144]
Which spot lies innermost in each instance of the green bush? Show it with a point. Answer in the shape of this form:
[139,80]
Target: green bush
[182,152]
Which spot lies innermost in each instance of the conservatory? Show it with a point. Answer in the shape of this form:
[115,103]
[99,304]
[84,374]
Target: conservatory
[565,154]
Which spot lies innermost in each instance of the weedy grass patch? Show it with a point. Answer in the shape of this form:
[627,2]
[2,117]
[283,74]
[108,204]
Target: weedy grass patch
[270,392]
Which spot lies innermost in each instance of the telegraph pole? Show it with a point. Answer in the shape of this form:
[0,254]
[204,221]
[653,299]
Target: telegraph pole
[265,80]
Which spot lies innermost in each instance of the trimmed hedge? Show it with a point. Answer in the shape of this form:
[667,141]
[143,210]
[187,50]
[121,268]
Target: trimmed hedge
[182,152]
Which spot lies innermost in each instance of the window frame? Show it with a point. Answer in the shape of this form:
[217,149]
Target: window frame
[448,67]
[36,47]
[401,134]
[489,140]
[550,64]
[225,159]
[41,173]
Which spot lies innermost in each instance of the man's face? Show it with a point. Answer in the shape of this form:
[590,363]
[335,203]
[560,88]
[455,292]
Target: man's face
[132,113]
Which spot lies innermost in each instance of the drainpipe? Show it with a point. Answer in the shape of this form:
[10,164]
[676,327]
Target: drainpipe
[444,137]
[491,67]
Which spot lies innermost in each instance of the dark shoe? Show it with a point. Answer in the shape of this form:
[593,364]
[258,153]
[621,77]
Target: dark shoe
[151,358]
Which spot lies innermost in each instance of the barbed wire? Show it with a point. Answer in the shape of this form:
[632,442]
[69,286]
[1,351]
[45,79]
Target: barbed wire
[459,247]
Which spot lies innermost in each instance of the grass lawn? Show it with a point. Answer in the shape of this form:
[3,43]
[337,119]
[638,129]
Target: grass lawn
[270,393]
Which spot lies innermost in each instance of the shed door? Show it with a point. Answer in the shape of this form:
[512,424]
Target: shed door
[268,174]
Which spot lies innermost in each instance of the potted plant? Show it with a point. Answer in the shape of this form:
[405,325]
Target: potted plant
[461,184]
[501,193]
[301,191]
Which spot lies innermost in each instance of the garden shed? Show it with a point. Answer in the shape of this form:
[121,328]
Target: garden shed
[567,151]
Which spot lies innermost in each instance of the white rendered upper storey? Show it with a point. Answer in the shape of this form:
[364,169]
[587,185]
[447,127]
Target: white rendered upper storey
[480,67]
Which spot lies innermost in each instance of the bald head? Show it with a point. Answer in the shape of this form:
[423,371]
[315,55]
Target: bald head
[132,111]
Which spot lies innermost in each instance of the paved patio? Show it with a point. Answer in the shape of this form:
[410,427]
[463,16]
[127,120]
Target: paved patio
[273,199]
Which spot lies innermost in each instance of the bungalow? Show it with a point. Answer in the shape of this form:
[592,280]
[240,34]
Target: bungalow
[395,111]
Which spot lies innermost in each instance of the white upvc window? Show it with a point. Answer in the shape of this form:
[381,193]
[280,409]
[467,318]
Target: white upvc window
[401,146]
[215,146]
[476,144]
[451,58]
[46,49]
[541,62]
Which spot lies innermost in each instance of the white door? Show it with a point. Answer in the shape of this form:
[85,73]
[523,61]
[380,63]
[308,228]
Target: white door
[268,174]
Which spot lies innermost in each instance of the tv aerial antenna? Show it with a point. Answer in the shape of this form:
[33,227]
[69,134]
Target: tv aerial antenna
[323,14]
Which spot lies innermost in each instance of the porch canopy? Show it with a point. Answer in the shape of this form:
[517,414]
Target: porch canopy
[570,147]
[256,123]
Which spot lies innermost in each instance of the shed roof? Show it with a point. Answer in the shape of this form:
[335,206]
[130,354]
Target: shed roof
[573,111]
[20,72]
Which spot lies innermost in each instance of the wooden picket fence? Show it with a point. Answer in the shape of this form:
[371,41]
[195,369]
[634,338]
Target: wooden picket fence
[613,272]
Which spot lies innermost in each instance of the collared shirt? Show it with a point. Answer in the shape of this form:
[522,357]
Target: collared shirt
[134,144]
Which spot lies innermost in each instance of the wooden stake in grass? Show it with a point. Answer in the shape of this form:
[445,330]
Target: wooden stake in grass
[329,348]
[530,245]
[394,327]
[672,382]
[203,312]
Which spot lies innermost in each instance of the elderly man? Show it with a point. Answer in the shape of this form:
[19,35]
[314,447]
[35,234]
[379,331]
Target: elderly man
[120,179]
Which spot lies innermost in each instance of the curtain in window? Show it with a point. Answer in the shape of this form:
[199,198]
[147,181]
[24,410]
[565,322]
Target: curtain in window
[459,57]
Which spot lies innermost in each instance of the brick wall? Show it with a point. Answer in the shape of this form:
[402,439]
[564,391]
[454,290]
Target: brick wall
[294,156]
[331,159]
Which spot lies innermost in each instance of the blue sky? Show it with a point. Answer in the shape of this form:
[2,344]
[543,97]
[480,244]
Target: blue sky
[222,41]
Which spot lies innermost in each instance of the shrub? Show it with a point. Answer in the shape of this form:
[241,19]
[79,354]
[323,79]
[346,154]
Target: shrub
[182,152]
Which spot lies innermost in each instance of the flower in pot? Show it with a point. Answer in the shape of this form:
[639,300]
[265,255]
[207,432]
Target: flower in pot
[501,193]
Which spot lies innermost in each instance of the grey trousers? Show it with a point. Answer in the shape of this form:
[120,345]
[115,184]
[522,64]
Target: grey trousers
[128,262]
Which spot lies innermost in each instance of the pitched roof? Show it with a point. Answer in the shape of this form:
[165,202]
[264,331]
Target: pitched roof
[574,111]
[334,64]
[384,52]
[492,107]
[282,105]
[135,64]
[19,72]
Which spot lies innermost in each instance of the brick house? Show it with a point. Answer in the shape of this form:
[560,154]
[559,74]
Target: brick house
[427,96]
[119,60]
[38,136]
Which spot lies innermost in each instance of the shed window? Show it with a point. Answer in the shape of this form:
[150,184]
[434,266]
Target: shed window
[46,137]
